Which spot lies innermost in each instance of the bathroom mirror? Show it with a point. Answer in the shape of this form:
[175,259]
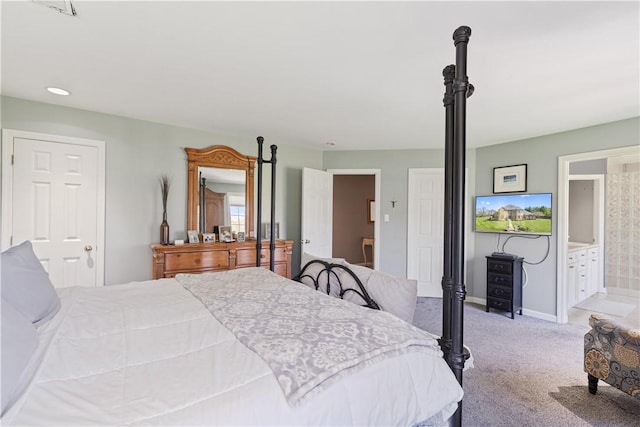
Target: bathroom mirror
[220,189]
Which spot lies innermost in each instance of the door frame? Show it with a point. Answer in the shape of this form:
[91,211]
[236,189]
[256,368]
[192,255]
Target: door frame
[376,225]
[562,311]
[6,189]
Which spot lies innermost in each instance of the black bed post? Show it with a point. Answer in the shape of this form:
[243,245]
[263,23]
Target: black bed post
[259,208]
[447,277]
[272,241]
[461,90]
[203,185]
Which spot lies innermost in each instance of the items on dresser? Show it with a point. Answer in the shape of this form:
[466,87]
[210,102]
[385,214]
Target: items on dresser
[169,260]
[504,283]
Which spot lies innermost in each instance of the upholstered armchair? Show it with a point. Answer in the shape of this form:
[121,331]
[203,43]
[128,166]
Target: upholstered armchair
[612,354]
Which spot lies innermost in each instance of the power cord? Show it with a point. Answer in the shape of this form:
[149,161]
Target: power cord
[546,255]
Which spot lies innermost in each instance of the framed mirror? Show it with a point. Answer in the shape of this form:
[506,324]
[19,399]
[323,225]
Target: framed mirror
[220,189]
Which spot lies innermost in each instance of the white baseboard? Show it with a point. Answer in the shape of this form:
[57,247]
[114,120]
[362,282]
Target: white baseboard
[476,300]
[525,311]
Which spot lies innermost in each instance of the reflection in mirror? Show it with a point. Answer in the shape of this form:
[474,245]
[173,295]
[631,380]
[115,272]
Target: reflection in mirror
[222,199]
[219,189]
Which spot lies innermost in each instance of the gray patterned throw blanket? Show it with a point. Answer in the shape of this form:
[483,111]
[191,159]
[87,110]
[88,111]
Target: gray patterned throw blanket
[308,339]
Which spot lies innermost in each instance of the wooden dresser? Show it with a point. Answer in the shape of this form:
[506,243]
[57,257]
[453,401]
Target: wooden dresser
[169,260]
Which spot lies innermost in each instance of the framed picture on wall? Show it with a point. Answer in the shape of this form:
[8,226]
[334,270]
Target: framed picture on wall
[371,210]
[510,179]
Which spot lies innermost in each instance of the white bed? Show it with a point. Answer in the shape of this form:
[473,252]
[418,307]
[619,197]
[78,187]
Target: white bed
[151,353]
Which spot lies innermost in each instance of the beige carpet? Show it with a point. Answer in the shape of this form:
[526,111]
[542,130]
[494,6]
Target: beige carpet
[528,372]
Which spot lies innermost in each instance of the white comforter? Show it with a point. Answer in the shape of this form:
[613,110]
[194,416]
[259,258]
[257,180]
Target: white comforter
[150,353]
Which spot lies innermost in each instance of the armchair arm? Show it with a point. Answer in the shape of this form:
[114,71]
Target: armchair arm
[616,331]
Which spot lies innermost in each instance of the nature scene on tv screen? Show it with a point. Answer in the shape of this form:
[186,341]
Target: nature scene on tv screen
[514,213]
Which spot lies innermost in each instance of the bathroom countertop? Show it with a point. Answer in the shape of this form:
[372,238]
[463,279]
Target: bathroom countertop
[574,246]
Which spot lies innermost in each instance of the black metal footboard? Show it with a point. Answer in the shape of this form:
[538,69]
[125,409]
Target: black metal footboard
[328,271]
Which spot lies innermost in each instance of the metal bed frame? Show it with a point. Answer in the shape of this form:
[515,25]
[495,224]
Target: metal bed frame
[457,90]
[272,241]
[331,271]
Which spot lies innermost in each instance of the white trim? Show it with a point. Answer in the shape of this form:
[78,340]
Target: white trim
[563,219]
[6,228]
[525,312]
[376,224]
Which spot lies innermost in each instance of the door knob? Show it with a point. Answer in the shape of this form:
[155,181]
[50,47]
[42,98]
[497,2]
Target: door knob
[305,241]
[88,248]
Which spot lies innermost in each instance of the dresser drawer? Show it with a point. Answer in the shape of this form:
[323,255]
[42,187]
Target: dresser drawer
[247,257]
[169,260]
[196,260]
[499,279]
[504,284]
[498,303]
[499,266]
[280,269]
[499,292]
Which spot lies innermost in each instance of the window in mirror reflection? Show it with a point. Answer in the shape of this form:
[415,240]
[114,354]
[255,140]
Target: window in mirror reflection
[224,198]
[237,218]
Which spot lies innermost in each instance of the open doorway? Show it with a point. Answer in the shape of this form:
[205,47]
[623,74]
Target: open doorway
[355,215]
[353,223]
[602,247]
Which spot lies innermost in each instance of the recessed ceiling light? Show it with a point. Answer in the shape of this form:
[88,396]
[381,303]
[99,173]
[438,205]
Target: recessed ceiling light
[58,91]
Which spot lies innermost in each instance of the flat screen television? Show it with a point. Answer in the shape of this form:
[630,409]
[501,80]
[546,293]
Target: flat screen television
[514,213]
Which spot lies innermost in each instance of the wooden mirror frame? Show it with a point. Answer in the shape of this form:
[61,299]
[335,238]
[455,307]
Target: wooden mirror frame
[218,156]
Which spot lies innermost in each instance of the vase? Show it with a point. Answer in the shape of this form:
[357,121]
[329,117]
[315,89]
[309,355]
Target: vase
[164,230]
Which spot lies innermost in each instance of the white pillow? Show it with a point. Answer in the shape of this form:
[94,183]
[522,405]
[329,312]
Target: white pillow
[395,295]
[306,257]
[19,343]
[26,285]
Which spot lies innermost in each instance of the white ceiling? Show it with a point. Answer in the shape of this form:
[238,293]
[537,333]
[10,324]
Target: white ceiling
[365,75]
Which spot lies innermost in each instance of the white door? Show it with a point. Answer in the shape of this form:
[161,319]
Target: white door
[317,212]
[425,233]
[53,195]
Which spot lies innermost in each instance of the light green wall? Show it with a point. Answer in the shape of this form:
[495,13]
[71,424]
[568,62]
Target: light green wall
[541,156]
[137,153]
[394,166]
